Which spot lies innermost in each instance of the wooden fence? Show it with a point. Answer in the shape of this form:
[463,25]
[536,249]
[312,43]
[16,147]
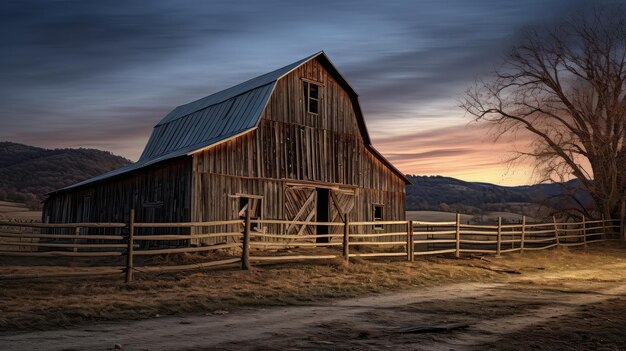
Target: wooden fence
[250,244]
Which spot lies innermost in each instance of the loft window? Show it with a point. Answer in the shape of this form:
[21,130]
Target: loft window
[377,215]
[311,97]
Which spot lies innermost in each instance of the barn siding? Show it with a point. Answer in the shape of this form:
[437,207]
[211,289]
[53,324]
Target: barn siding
[159,193]
[291,144]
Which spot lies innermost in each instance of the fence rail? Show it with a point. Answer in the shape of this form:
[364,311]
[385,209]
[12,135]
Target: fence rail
[250,241]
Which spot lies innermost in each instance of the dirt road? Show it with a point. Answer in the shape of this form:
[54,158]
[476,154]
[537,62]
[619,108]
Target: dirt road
[546,313]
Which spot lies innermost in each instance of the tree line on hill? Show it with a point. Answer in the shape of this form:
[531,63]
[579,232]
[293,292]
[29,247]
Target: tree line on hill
[27,173]
[437,193]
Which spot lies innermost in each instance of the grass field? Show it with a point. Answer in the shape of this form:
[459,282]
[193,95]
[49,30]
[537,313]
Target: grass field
[435,216]
[18,212]
[486,217]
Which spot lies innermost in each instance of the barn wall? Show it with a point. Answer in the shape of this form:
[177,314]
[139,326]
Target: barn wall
[291,144]
[159,193]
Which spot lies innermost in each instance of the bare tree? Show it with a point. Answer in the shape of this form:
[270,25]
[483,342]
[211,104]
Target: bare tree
[566,86]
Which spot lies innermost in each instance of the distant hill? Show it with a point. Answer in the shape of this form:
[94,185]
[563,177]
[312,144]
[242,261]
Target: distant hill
[28,172]
[445,193]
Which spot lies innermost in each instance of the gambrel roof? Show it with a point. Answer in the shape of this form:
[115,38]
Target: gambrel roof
[223,115]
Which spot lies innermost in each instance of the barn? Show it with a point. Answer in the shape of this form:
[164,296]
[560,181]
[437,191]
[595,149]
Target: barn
[291,144]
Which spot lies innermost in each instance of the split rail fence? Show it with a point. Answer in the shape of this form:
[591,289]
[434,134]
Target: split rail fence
[252,242]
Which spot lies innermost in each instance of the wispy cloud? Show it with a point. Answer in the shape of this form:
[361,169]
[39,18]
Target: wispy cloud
[466,151]
[102,73]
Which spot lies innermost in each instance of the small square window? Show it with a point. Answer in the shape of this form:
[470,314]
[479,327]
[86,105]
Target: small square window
[377,215]
[311,97]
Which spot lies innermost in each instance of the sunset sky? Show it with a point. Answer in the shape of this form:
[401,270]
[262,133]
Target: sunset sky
[101,74]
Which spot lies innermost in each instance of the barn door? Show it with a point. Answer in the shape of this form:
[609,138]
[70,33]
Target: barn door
[300,205]
[342,202]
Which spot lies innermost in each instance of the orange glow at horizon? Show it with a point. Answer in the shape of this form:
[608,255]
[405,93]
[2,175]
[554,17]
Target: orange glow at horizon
[467,152]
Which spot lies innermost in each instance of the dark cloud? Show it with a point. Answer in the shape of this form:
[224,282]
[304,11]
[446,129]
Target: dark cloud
[64,41]
[102,73]
[443,54]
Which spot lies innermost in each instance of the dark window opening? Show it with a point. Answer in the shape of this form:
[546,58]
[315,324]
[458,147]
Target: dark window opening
[377,215]
[251,204]
[243,206]
[311,97]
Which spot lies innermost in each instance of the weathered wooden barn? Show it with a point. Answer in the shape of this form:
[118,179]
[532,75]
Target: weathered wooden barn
[290,144]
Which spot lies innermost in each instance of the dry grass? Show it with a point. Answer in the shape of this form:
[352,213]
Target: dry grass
[435,216]
[43,304]
[52,303]
[14,211]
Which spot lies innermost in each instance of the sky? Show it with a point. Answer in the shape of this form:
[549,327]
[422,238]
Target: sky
[101,74]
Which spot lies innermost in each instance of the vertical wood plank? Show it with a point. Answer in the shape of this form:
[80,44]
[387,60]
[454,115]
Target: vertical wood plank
[77,233]
[412,241]
[245,250]
[409,241]
[457,236]
[523,238]
[556,231]
[622,213]
[129,249]
[499,242]
[603,228]
[584,232]
[346,238]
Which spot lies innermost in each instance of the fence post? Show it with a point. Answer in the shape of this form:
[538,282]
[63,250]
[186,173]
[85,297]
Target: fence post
[346,239]
[457,236]
[603,228]
[584,233]
[77,233]
[499,242]
[556,232]
[411,243]
[622,213]
[130,248]
[523,234]
[245,248]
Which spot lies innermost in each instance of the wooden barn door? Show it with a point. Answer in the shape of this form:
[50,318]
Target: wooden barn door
[306,203]
[301,206]
[342,202]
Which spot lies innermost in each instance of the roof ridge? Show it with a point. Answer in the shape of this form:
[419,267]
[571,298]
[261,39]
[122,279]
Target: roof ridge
[236,90]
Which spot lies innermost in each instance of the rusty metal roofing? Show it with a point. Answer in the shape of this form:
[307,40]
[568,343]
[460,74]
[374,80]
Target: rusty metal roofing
[217,117]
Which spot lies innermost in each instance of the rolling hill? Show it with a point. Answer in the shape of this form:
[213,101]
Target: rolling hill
[27,173]
[445,193]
